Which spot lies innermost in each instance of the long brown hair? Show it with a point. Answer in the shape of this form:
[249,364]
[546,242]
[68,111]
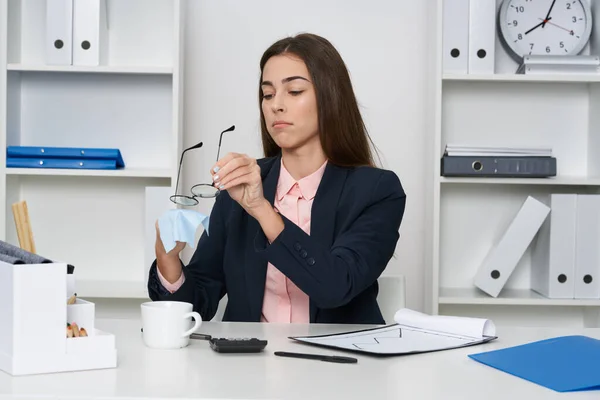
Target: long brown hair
[342,131]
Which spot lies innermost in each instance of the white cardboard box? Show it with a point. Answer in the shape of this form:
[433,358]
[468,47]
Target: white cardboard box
[33,311]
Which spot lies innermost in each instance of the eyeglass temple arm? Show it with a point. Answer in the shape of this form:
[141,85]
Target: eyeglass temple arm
[181,162]
[231,128]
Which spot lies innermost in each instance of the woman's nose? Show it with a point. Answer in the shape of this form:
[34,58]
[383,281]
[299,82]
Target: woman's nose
[278,103]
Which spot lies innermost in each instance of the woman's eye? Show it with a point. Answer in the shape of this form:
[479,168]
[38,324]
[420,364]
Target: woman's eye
[295,92]
[267,96]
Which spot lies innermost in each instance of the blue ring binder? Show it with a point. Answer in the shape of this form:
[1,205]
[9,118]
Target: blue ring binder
[63,157]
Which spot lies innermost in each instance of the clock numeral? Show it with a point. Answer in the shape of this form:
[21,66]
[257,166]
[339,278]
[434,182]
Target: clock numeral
[562,45]
[568,6]
[520,36]
[574,19]
[515,23]
[520,9]
[531,46]
[547,49]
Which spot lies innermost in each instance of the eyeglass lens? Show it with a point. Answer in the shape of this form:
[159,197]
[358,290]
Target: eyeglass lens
[184,200]
[204,190]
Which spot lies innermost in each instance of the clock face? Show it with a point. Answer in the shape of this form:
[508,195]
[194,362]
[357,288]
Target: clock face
[538,27]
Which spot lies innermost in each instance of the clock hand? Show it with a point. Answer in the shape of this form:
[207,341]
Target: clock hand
[548,15]
[537,26]
[558,26]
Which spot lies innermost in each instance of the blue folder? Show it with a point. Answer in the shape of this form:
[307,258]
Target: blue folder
[64,152]
[61,163]
[63,157]
[563,364]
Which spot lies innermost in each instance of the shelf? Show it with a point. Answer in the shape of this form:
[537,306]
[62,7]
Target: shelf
[553,181]
[111,289]
[125,173]
[518,297]
[556,78]
[132,101]
[99,70]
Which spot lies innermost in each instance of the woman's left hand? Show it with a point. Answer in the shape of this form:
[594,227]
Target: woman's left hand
[239,174]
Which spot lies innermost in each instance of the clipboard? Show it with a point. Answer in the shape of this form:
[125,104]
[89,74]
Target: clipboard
[413,333]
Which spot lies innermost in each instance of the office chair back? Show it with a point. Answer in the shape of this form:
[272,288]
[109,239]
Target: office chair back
[391,298]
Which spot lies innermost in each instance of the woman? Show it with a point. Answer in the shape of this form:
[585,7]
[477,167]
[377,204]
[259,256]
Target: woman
[303,234]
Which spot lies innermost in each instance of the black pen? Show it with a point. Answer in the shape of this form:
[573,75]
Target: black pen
[320,357]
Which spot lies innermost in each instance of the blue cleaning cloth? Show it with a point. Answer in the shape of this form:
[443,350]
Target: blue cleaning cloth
[180,226]
[563,364]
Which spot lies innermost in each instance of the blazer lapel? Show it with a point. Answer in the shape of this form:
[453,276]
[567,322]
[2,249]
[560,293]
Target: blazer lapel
[256,266]
[323,212]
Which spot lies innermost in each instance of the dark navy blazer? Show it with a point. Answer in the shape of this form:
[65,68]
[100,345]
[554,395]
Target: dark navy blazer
[355,221]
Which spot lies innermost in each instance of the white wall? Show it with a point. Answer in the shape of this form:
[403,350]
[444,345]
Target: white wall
[384,45]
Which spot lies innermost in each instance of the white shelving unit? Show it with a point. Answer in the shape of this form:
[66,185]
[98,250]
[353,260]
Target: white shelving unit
[509,77]
[93,219]
[101,69]
[469,215]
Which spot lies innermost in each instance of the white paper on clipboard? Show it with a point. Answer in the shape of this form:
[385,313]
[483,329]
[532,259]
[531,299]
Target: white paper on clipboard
[414,332]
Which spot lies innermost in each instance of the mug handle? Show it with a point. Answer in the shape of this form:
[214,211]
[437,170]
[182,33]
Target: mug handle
[198,320]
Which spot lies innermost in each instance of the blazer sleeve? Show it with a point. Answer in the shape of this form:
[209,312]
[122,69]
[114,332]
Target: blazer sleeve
[204,284]
[357,257]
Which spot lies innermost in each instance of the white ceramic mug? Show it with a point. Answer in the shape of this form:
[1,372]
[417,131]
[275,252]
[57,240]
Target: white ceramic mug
[166,324]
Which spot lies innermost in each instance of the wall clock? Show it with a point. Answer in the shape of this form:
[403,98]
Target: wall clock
[538,27]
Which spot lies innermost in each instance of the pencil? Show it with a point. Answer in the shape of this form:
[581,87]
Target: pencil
[72,299]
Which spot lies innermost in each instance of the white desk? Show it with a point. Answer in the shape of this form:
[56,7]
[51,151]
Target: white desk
[199,372]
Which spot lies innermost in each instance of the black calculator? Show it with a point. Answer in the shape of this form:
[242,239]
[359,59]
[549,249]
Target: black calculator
[233,345]
[241,345]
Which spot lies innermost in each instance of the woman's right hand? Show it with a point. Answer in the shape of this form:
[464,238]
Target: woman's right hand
[168,264]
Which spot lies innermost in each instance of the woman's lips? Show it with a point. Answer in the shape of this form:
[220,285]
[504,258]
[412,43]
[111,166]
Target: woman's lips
[281,124]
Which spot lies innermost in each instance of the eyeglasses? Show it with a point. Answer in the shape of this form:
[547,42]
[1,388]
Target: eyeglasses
[202,190]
